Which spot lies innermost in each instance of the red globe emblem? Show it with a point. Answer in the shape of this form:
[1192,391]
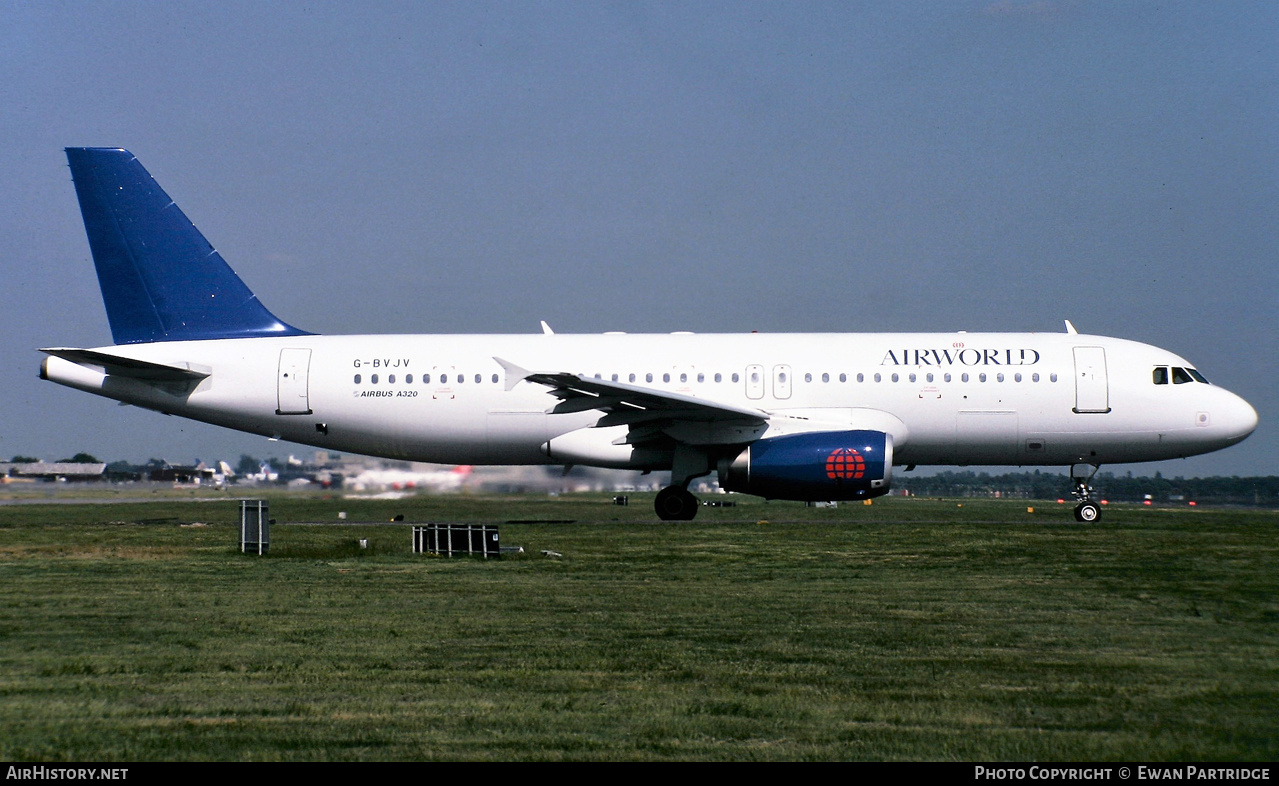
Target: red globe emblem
[845,464]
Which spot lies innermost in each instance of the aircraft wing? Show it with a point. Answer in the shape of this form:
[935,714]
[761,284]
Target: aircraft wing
[652,415]
[120,366]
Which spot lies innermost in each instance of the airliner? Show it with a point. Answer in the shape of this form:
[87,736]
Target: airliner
[783,416]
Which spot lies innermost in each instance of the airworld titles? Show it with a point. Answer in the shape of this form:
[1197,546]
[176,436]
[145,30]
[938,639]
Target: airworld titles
[960,356]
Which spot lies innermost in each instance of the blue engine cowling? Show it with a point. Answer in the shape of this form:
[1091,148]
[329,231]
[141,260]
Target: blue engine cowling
[826,465]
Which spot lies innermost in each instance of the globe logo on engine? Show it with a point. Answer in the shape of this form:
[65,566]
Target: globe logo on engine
[845,464]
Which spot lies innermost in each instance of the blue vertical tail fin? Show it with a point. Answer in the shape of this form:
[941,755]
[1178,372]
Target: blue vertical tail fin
[160,279]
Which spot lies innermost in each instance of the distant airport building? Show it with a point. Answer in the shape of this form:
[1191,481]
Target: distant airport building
[66,472]
[171,474]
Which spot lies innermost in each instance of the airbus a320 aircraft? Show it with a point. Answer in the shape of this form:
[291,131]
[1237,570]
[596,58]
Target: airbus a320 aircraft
[784,416]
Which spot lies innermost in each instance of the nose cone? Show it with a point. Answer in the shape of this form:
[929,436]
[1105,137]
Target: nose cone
[1238,419]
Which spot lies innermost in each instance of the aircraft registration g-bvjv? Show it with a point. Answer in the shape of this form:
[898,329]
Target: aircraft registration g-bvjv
[784,416]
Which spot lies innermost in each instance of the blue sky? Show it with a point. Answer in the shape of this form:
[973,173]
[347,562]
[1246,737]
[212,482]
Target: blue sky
[715,167]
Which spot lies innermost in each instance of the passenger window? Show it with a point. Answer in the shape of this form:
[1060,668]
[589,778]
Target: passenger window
[390,379]
[843,377]
[964,376]
[999,377]
[648,377]
[1034,377]
[735,377]
[408,379]
[895,377]
[373,379]
[631,377]
[912,377]
[946,376]
[1161,375]
[877,378]
[929,376]
[666,377]
[825,377]
[426,379]
[357,379]
[477,379]
[861,377]
[444,379]
[719,377]
[495,379]
[1180,377]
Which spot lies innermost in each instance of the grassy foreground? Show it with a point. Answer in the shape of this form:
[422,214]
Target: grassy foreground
[910,629]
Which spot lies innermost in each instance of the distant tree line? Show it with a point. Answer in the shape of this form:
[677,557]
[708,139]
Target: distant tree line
[1260,491]
[79,458]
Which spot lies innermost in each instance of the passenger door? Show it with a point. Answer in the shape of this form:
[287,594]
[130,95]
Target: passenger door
[292,382]
[1092,392]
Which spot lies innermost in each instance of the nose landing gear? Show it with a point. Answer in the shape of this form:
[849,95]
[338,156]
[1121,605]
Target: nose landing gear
[1086,511]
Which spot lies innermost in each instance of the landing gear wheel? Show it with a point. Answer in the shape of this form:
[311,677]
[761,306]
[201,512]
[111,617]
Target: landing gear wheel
[675,504]
[1087,512]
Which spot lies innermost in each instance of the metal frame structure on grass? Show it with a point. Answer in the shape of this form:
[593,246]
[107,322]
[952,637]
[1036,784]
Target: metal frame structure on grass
[255,526]
[450,540]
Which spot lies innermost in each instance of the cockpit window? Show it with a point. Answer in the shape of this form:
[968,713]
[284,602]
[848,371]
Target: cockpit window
[1180,376]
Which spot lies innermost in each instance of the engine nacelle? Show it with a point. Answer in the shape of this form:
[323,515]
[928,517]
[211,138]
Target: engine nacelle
[823,465]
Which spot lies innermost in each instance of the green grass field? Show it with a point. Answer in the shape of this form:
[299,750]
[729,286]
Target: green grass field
[908,629]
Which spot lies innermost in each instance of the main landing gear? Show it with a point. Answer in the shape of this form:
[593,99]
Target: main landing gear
[1086,511]
[676,502]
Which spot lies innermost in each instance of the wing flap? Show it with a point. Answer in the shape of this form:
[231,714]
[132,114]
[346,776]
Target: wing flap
[619,397]
[652,415]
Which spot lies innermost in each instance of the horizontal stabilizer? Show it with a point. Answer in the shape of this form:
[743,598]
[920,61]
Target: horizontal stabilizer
[118,366]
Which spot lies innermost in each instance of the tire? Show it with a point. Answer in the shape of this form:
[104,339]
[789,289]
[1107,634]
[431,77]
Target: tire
[1087,512]
[675,504]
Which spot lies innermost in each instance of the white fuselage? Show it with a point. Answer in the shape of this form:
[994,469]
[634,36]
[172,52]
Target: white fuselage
[947,398]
